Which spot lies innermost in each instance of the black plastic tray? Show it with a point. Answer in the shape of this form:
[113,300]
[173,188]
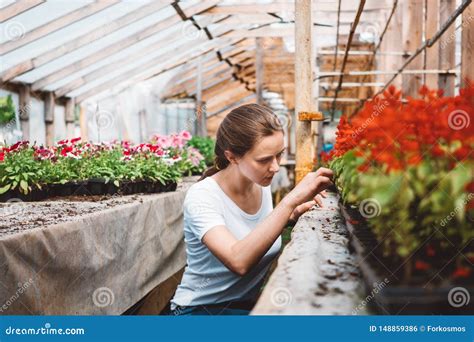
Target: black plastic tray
[396,299]
[87,188]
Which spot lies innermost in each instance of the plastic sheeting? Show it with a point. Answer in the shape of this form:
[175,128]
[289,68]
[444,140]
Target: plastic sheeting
[101,264]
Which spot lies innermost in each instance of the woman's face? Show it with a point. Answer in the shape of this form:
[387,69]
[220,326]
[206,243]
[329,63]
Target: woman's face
[262,162]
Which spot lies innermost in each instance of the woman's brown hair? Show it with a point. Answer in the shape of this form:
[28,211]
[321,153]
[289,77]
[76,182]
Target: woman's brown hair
[240,130]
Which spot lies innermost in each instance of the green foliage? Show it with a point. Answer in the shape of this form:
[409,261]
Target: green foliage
[205,145]
[7,110]
[414,204]
[21,172]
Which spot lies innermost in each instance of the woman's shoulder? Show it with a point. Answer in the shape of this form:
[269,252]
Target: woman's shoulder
[202,189]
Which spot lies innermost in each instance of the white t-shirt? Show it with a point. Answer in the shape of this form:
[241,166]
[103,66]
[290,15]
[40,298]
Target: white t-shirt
[206,280]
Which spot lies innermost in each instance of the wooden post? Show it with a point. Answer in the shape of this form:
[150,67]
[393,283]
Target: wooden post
[200,109]
[447,48]
[393,38]
[259,69]
[83,123]
[467,46]
[142,125]
[69,118]
[49,103]
[432,8]
[24,111]
[303,87]
[412,39]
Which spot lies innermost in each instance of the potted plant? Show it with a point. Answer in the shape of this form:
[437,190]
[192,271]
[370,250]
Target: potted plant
[405,176]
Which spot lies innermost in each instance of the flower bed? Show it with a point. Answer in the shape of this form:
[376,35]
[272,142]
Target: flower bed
[405,175]
[31,172]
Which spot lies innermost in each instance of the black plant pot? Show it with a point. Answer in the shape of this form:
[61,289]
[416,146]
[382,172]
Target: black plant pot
[34,195]
[111,188]
[394,296]
[38,194]
[79,188]
[126,188]
[5,197]
[139,187]
[96,186]
[170,187]
[149,187]
[59,190]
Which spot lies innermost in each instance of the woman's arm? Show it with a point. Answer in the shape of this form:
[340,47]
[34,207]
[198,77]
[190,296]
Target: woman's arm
[240,255]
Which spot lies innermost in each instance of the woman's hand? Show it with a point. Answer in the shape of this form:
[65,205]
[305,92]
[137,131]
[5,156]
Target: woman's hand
[307,189]
[302,208]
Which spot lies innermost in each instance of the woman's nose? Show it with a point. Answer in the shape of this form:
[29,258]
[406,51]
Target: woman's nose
[275,166]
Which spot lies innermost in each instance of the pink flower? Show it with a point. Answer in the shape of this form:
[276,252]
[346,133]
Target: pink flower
[44,153]
[195,156]
[185,135]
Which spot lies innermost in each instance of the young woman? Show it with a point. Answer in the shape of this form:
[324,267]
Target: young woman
[231,230]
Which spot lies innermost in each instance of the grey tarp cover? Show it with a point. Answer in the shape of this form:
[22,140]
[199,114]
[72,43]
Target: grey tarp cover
[102,263]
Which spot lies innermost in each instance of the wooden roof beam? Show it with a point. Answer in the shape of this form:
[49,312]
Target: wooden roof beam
[150,69]
[290,7]
[115,47]
[56,24]
[86,38]
[235,103]
[17,8]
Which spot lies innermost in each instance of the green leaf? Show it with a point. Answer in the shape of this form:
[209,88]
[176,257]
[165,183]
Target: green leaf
[459,177]
[5,188]
[24,186]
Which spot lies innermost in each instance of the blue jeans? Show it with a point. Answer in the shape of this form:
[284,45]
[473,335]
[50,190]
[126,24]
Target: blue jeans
[205,310]
[226,308]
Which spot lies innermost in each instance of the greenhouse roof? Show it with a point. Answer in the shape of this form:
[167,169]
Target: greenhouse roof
[82,48]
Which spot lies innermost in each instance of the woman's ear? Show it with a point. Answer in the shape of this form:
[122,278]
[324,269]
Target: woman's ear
[230,157]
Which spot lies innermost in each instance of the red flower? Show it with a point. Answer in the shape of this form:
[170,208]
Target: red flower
[462,272]
[2,156]
[394,135]
[422,266]
[75,140]
[66,150]
[14,146]
[354,222]
[430,251]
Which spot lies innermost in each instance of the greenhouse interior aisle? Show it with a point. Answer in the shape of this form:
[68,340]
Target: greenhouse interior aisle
[109,112]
